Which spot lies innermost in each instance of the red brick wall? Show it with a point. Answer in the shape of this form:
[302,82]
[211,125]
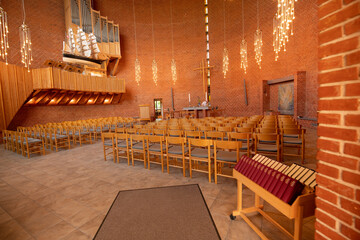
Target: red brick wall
[300,55]
[46,20]
[338,193]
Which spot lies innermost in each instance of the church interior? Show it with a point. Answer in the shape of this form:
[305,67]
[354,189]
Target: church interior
[255,101]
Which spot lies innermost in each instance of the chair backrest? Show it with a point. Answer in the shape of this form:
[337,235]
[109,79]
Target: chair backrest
[239,136]
[131,130]
[159,132]
[189,128]
[144,131]
[120,130]
[106,135]
[200,142]
[224,129]
[205,128]
[215,135]
[192,134]
[175,133]
[266,130]
[227,145]
[174,127]
[121,136]
[137,138]
[244,129]
[299,132]
[155,139]
[175,140]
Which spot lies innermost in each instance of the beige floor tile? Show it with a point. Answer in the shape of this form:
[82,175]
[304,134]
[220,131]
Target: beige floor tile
[76,235]
[40,223]
[12,230]
[57,231]
[91,227]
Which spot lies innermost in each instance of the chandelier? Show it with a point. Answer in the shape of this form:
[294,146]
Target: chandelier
[258,40]
[173,71]
[154,71]
[137,62]
[243,45]
[225,61]
[4,32]
[25,43]
[137,71]
[173,62]
[226,52]
[283,25]
[154,63]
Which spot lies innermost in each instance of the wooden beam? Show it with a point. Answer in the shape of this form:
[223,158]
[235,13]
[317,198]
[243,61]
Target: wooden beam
[281,80]
[41,97]
[78,100]
[51,97]
[115,67]
[96,98]
[70,98]
[60,98]
[112,97]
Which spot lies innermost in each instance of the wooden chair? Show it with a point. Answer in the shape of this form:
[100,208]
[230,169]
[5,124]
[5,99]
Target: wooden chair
[156,148]
[57,141]
[192,134]
[175,150]
[291,142]
[31,145]
[188,128]
[268,149]
[174,127]
[200,151]
[214,135]
[224,129]
[120,130]
[122,145]
[137,143]
[159,132]
[225,152]
[83,135]
[131,131]
[243,130]
[108,144]
[203,128]
[145,131]
[6,139]
[245,138]
[175,133]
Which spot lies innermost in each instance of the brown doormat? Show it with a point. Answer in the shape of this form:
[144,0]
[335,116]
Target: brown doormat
[176,212]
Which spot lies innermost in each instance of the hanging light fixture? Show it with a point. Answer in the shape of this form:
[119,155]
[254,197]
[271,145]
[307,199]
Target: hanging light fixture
[25,42]
[137,62]
[173,62]
[226,52]
[4,32]
[154,63]
[243,45]
[258,39]
[283,25]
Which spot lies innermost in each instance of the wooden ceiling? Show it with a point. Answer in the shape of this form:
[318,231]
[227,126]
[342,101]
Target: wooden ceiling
[52,97]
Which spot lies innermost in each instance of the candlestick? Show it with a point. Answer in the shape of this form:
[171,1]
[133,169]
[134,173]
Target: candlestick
[189,98]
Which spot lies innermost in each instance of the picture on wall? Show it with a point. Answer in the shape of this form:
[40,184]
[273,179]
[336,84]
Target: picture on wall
[286,98]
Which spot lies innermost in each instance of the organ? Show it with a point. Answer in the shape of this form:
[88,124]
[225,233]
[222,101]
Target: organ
[289,189]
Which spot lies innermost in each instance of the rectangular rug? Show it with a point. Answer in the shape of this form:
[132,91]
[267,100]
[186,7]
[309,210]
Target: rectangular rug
[175,212]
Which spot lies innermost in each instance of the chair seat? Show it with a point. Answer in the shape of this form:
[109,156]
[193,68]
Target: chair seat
[138,146]
[226,156]
[156,147]
[291,140]
[32,140]
[177,150]
[267,148]
[108,143]
[59,137]
[267,141]
[291,135]
[201,152]
[122,144]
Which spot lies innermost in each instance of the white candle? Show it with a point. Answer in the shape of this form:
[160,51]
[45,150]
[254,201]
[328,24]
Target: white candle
[189,97]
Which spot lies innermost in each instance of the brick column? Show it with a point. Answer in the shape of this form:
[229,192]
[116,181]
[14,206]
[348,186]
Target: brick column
[338,191]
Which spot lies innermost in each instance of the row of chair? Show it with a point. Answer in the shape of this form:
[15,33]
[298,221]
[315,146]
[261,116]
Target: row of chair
[204,155]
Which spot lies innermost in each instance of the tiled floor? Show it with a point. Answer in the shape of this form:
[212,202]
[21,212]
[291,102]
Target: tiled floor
[66,195]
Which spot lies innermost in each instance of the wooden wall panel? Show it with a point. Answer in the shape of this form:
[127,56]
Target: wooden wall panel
[16,85]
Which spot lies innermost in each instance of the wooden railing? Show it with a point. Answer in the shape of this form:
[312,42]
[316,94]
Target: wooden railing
[48,78]
[16,85]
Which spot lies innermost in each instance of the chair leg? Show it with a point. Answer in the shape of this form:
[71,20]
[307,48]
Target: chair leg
[209,163]
[215,172]
[190,168]
[167,164]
